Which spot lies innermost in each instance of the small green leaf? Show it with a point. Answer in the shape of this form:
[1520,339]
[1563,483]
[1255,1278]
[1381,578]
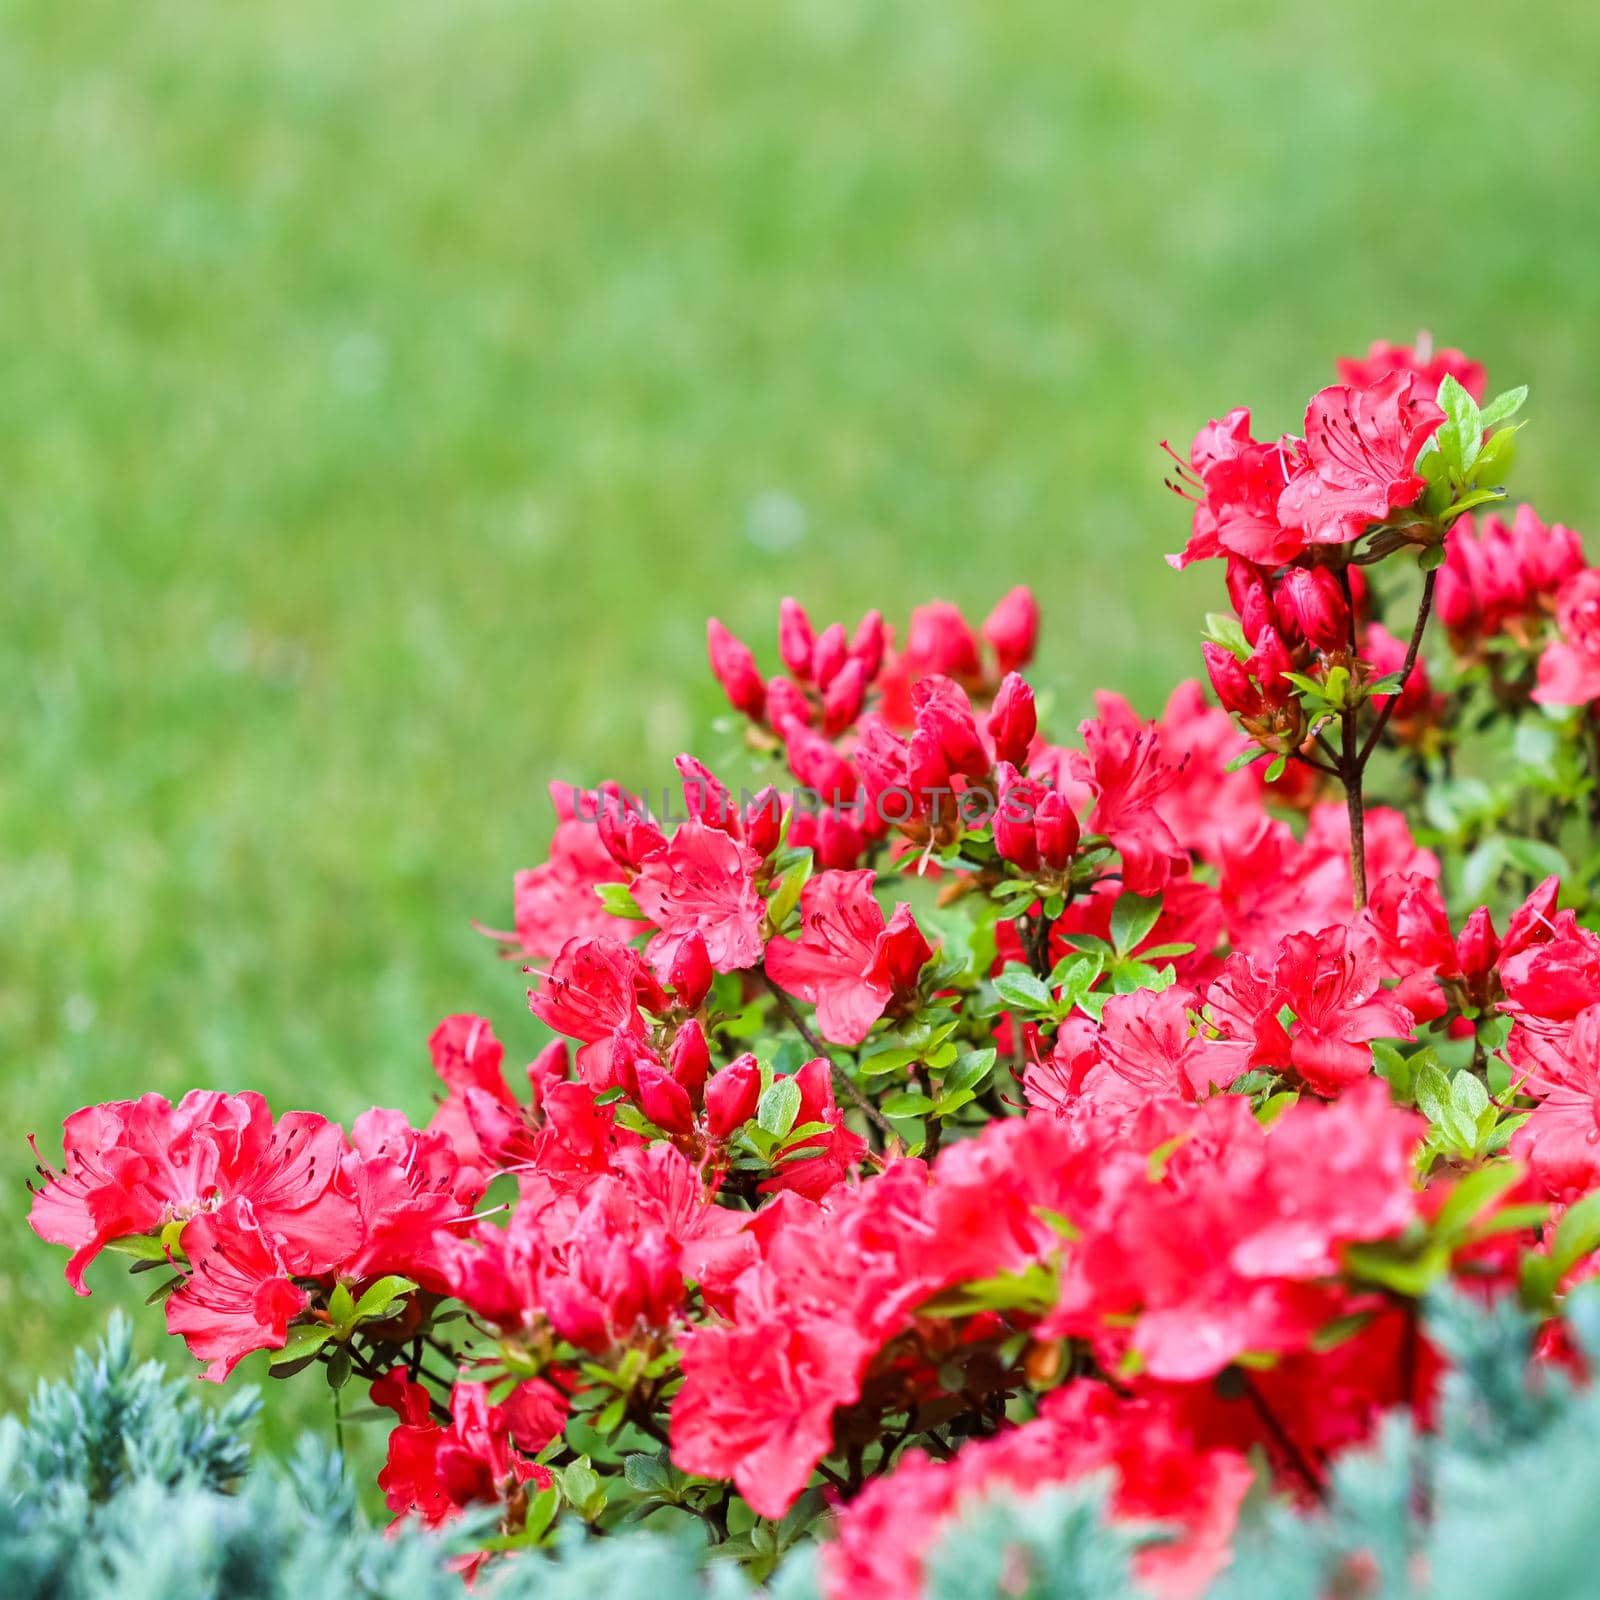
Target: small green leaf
[341,1306]
[1225,629]
[378,1299]
[339,1367]
[1503,407]
[778,1106]
[617,898]
[140,1246]
[907,1103]
[647,1474]
[1132,918]
[303,1341]
[1019,987]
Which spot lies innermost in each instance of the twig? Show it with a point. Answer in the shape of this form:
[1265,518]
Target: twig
[817,1047]
[1424,611]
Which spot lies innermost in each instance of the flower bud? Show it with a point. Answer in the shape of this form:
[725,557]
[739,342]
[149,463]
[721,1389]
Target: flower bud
[689,977]
[1477,947]
[1229,680]
[731,1096]
[763,821]
[663,1099]
[1250,597]
[844,697]
[1268,665]
[868,644]
[1014,838]
[1055,826]
[944,712]
[786,702]
[690,1060]
[1013,721]
[704,797]
[795,639]
[735,668]
[1311,603]
[939,640]
[816,764]
[829,654]
[1012,628]
[627,834]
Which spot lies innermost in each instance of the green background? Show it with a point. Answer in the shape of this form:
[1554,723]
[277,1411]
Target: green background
[389,391]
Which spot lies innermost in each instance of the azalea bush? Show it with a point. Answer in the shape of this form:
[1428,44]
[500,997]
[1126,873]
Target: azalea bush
[945,1127]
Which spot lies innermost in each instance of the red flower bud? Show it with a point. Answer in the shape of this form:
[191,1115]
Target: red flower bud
[763,821]
[1230,681]
[1012,628]
[735,669]
[1311,603]
[786,702]
[690,1059]
[816,764]
[1014,837]
[829,654]
[1268,665]
[844,697]
[663,1099]
[795,639]
[868,643]
[691,972]
[1056,828]
[1477,947]
[731,1096]
[1013,721]
[627,834]
[939,640]
[944,713]
[704,797]
[1251,599]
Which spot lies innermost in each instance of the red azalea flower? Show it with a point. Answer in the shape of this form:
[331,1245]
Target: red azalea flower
[238,1296]
[132,1166]
[1122,764]
[848,961]
[1569,669]
[1361,450]
[704,883]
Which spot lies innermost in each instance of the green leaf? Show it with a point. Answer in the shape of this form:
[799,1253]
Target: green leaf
[1019,987]
[1462,435]
[1503,407]
[778,1106]
[617,898]
[1390,1265]
[140,1246]
[304,1340]
[647,1474]
[1433,555]
[1473,1194]
[1245,757]
[907,1103]
[1225,629]
[1536,858]
[339,1367]
[1576,1235]
[1275,771]
[968,1070]
[786,896]
[378,1299]
[341,1307]
[1132,918]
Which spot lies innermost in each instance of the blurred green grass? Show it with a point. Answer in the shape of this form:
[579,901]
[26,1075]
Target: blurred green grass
[388,393]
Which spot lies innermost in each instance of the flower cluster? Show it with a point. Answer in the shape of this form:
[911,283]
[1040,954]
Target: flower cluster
[934,1110]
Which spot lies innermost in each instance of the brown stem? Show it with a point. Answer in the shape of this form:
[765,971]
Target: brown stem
[1351,771]
[841,1078]
[1280,1436]
[1424,611]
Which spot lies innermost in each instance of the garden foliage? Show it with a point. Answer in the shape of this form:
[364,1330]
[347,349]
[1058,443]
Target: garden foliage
[968,1163]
